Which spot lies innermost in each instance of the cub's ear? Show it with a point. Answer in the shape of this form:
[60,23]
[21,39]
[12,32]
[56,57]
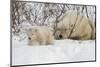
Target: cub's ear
[35,30]
[28,30]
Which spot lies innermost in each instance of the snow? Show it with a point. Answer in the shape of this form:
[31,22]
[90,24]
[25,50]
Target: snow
[61,51]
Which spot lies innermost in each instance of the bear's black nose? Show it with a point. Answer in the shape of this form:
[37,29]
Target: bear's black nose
[29,38]
[60,36]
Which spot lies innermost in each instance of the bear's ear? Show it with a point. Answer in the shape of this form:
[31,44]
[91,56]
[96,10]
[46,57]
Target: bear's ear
[34,30]
[27,30]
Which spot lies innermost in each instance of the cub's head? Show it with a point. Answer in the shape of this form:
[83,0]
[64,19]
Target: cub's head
[32,34]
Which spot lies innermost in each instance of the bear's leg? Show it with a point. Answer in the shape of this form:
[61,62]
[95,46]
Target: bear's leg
[43,42]
[85,36]
[30,43]
[50,40]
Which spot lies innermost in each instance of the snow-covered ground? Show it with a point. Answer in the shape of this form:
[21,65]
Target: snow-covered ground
[61,51]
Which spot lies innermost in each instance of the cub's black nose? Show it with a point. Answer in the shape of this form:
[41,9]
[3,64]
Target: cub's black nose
[29,38]
[60,36]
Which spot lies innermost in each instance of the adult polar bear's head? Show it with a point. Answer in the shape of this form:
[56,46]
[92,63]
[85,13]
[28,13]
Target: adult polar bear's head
[73,25]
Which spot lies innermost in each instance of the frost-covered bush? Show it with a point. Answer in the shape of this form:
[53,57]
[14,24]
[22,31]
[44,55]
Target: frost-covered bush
[43,14]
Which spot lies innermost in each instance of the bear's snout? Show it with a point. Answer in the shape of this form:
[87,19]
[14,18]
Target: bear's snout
[60,36]
[29,38]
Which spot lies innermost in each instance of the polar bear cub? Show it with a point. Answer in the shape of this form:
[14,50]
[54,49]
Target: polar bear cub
[40,35]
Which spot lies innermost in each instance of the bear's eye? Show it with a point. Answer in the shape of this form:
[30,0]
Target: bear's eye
[58,29]
[32,34]
[65,29]
[72,25]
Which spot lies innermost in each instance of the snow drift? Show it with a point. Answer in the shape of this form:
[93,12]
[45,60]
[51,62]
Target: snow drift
[61,51]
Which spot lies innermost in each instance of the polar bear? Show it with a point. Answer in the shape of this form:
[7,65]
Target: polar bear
[40,35]
[74,26]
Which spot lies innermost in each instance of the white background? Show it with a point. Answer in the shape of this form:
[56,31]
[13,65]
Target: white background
[5,33]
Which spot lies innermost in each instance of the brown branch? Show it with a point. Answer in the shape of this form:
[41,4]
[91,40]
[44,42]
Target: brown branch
[55,24]
[76,21]
[73,25]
